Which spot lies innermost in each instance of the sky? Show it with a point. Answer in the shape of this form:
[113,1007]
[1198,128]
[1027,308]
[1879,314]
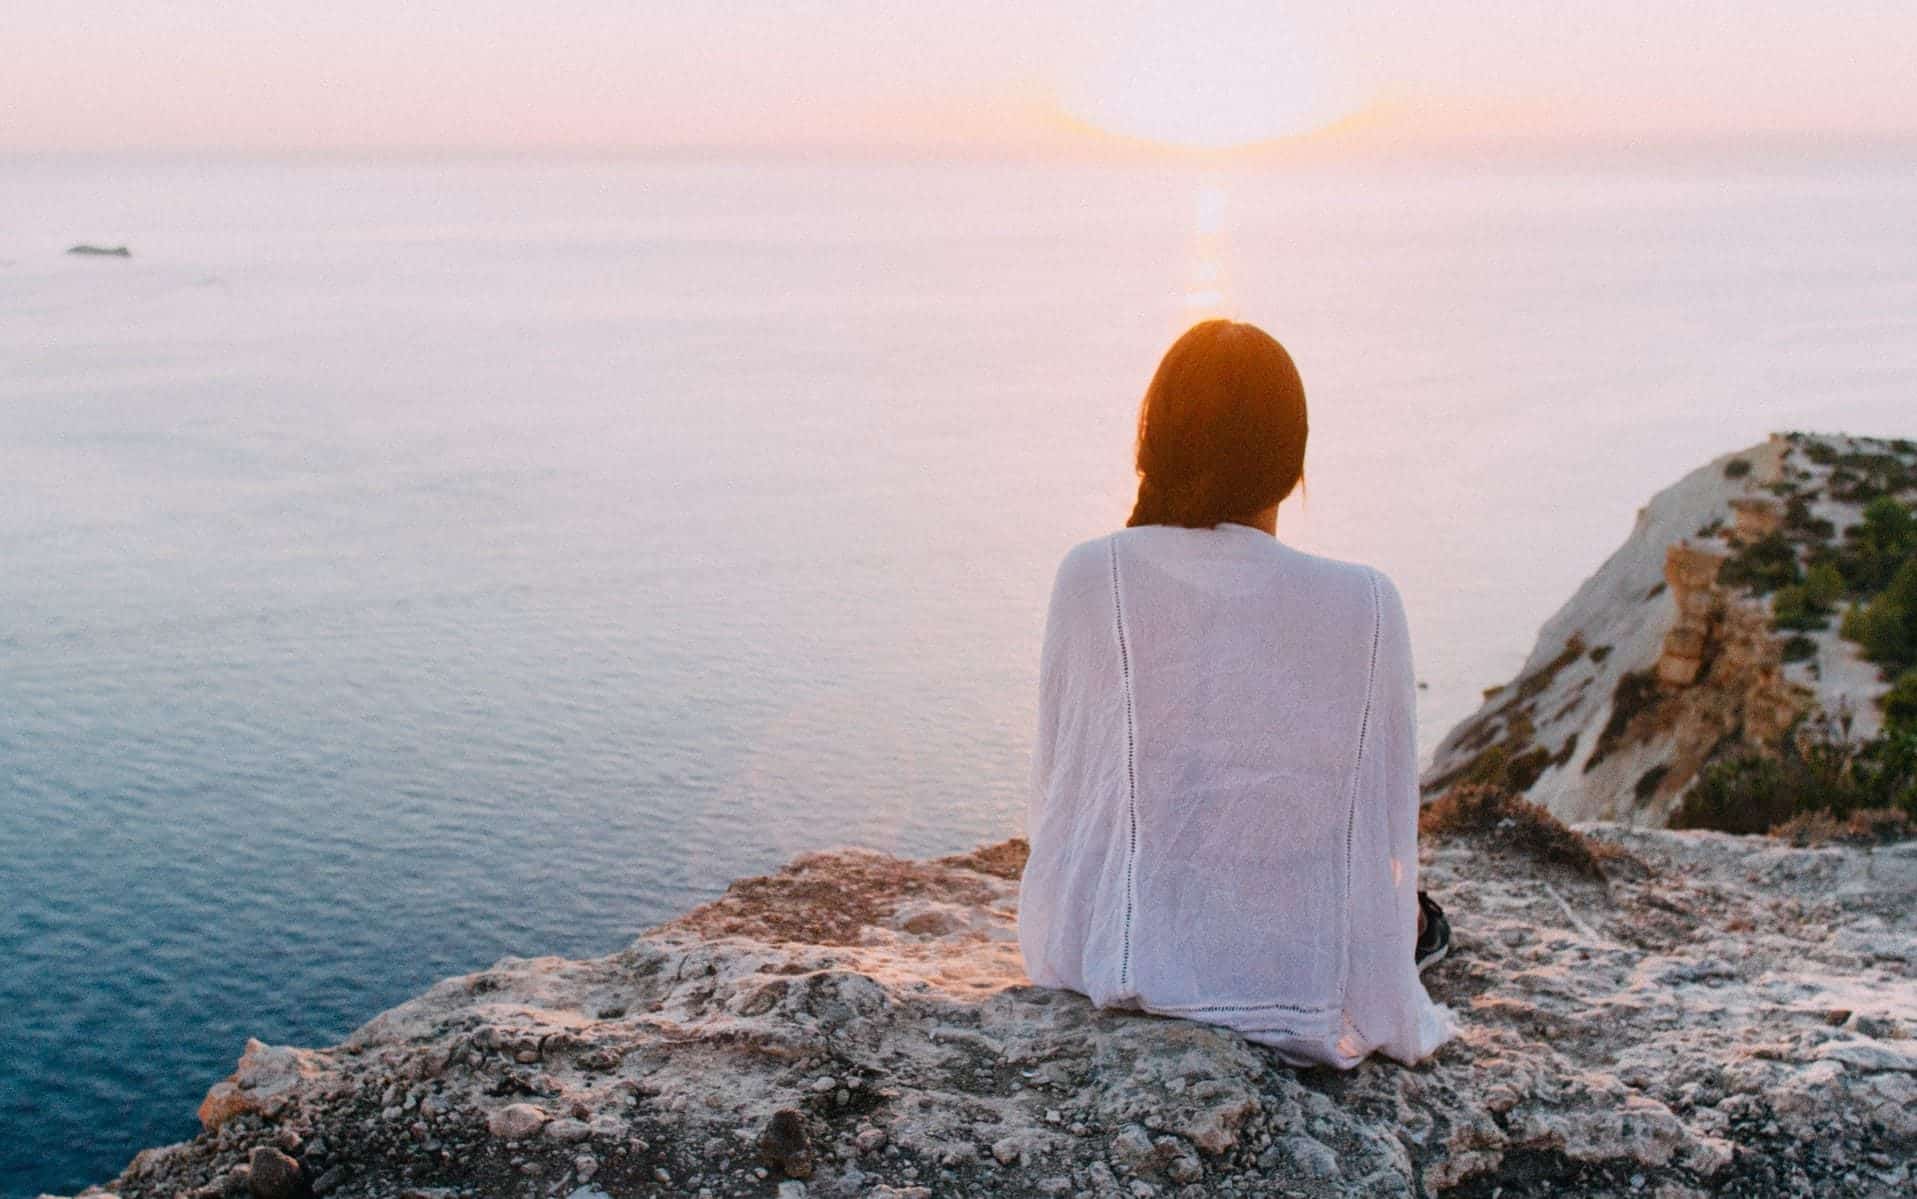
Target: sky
[1021,75]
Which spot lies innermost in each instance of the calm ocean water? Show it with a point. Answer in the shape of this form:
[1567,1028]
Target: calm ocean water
[407,564]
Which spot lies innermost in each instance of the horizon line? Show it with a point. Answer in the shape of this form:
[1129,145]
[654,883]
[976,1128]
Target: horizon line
[1279,152]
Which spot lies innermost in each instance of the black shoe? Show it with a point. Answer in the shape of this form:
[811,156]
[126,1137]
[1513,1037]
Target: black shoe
[1435,941]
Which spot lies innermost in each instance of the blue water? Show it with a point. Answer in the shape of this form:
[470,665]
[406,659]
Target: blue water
[407,564]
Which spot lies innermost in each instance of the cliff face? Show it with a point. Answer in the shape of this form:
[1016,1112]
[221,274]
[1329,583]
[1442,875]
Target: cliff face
[1657,664]
[1725,1016]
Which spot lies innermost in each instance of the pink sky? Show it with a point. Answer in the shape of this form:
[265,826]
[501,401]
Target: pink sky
[480,74]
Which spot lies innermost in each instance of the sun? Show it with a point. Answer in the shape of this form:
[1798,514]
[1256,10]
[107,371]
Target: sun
[1206,77]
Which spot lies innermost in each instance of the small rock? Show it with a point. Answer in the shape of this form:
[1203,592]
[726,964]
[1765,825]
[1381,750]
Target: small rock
[1313,1157]
[585,1166]
[271,1174]
[329,1182]
[568,1131]
[791,1190]
[821,1086]
[1132,1148]
[1005,1149]
[870,1140]
[516,1121]
[784,1144]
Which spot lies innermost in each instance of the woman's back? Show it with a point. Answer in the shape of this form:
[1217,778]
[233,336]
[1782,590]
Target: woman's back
[1223,817]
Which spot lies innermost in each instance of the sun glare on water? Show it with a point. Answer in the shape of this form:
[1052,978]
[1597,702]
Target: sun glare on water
[1206,77]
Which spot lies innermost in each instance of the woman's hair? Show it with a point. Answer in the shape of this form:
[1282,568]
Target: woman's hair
[1221,433]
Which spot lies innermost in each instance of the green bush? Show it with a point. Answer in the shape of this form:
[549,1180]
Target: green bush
[1803,525]
[1900,706]
[1763,566]
[1885,626]
[1791,608]
[1817,769]
[1878,546]
[1823,586]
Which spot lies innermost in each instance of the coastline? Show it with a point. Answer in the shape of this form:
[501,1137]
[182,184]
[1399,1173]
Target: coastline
[1721,1012]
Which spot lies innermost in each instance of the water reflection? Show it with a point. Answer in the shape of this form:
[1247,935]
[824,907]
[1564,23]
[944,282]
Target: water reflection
[1209,293]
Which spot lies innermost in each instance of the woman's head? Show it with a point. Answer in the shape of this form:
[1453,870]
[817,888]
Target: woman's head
[1221,434]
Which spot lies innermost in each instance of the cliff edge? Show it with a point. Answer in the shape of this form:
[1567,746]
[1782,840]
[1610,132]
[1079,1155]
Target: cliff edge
[1673,655]
[1721,1015]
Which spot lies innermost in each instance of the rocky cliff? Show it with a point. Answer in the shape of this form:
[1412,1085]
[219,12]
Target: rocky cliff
[1719,1015]
[1660,662]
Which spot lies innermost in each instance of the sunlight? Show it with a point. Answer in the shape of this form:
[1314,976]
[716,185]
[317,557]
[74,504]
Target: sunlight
[1208,77]
[1209,292]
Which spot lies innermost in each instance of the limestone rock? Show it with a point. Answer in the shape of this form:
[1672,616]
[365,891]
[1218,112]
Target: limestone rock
[1733,1017]
[516,1121]
[1656,663]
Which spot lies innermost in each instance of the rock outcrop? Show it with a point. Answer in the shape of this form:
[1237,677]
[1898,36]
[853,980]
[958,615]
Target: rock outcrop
[1725,1015]
[1657,665]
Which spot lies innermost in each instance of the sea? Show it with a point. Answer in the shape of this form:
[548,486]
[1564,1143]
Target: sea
[406,563]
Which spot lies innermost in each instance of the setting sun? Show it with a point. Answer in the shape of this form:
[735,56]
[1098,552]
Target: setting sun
[1207,79]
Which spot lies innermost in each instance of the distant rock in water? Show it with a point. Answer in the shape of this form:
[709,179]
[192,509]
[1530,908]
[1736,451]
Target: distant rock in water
[100,251]
[1717,1015]
[1668,658]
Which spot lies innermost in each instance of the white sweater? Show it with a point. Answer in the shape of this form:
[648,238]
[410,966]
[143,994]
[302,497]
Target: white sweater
[1224,804]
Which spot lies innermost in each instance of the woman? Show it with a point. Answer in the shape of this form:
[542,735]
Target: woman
[1224,809]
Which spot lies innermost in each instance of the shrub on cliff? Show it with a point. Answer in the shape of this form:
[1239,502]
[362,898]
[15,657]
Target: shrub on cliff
[1878,546]
[1900,705]
[1817,769]
[1870,826]
[1763,566]
[1885,626]
[1510,822]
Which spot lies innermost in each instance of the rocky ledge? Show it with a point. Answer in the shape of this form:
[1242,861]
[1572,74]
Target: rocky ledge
[1721,1015]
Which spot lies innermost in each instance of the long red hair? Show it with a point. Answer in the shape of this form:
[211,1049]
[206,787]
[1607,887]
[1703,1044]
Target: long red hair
[1221,431]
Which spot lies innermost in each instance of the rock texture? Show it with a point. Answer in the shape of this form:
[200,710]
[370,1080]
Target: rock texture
[1655,665]
[1723,1016]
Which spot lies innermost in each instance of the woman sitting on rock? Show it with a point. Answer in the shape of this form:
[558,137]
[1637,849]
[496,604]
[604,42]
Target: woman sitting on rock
[1224,808]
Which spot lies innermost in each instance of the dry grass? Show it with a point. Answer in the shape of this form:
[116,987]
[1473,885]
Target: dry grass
[1510,822]
[1869,826]
[1005,860]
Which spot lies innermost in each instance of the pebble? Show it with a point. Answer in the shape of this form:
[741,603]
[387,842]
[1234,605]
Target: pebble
[1006,1150]
[516,1121]
[821,1086]
[585,1165]
[784,1144]
[568,1131]
[272,1175]
[1132,1147]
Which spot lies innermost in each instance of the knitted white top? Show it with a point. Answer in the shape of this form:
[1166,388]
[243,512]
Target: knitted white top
[1224,806]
